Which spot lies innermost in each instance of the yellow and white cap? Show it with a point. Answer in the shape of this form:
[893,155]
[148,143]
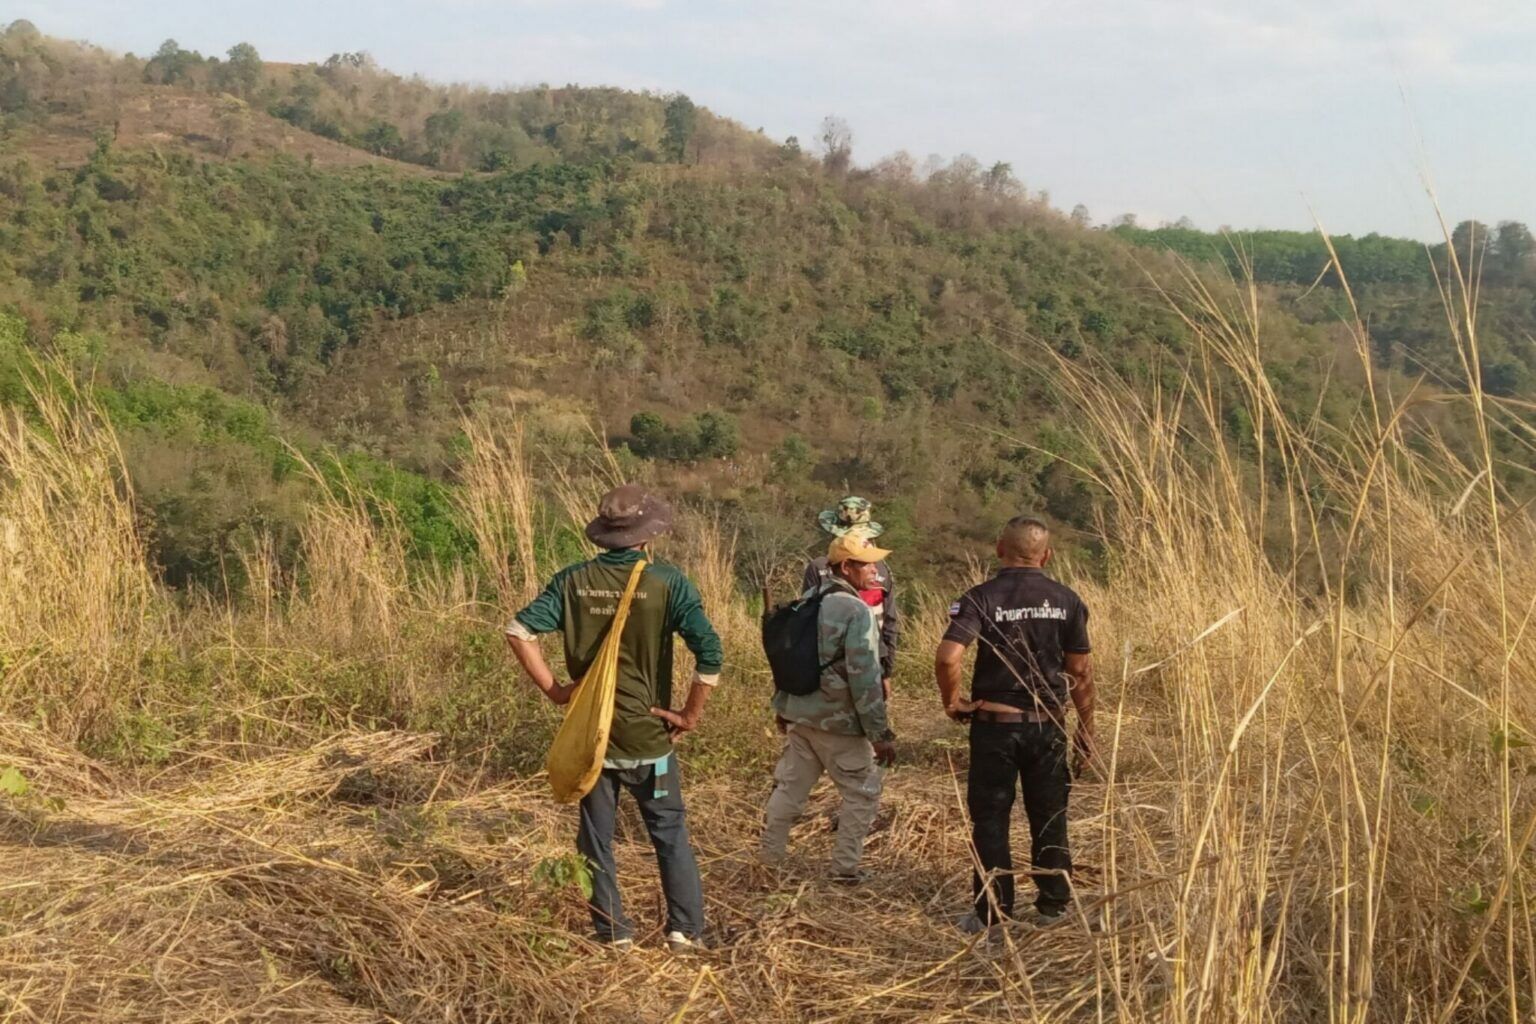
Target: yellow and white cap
[854,547]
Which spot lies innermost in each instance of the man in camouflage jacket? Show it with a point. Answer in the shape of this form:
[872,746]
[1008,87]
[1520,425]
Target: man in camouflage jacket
[852,515]
[842,728]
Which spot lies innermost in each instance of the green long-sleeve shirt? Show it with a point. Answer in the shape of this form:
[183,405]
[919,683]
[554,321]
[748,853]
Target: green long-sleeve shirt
[581,600]
[851,699]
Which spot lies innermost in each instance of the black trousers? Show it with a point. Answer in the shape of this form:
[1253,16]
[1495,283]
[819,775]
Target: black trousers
[660,797]
[1034,756]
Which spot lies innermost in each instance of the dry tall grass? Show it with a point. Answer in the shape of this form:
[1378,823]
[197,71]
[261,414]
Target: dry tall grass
[1310,806]
[1341,826]
[499,498]
[355,575]
[76,595]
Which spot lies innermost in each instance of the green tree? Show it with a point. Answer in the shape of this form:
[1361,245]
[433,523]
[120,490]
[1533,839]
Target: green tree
[1505,376]
[719,437]
[171,64]
[359,60]
[792,458]
[649,435]
[999,181]
[241,73]
[382,138]
[1514,250]
[709,435]
[681,120]
[441,129]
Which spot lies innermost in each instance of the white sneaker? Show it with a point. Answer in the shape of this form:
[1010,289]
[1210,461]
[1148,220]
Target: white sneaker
[679,944]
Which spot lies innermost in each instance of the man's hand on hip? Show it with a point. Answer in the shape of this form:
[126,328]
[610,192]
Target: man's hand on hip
[676,723]
[962,709]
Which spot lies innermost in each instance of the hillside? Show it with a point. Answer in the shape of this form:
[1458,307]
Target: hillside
[828,329]
[55,92]
[199,126]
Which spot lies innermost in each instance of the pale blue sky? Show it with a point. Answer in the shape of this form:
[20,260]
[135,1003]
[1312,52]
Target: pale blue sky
[1240,112]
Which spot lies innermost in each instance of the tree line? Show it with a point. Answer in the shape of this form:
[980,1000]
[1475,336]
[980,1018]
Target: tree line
[351,100]
[1501,255]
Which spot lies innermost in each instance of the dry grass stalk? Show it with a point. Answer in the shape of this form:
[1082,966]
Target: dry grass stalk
[707,548]
[498,500]
[75,586]
[354,572]
[577,489]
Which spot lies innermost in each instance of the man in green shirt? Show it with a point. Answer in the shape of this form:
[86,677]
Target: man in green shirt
[580,603]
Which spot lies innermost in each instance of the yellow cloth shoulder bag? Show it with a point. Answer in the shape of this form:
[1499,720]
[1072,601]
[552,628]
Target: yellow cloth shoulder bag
[576,757]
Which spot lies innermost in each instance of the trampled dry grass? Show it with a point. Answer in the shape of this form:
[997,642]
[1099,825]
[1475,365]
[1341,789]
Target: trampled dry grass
[357,880]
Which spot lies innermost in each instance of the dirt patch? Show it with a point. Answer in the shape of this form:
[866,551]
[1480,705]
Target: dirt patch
[170,120]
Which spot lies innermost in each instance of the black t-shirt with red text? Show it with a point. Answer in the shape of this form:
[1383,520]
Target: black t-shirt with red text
[1025,623]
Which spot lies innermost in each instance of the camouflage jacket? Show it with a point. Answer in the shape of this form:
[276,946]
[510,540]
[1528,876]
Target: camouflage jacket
[887,616]
[851,701]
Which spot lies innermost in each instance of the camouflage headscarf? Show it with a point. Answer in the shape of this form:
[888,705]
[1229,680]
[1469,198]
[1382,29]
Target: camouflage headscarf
[850,515]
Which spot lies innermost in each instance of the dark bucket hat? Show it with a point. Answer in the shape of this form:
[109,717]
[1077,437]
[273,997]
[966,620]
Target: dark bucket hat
[627,516]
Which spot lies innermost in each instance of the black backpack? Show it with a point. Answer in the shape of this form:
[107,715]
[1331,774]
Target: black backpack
[790,640]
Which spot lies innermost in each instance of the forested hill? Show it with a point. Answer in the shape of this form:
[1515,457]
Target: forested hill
[1397,283]
[245,255]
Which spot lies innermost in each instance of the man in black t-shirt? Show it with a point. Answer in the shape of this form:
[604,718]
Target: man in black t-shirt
[1033,658]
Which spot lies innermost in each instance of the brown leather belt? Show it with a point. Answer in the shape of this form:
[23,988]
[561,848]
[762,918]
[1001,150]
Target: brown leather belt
[1036,715]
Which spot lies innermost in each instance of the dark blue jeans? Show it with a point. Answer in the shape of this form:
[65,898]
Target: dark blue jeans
[1031,756]
[664,820]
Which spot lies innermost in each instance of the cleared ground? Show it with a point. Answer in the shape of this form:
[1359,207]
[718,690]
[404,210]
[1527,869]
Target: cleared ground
[360,880]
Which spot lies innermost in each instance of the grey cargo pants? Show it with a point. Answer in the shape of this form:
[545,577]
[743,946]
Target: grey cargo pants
[850,761]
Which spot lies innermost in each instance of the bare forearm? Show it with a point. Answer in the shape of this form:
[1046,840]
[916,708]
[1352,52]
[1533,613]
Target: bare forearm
[947,673]
[532,660]
[679,722]
[1083,697]
[698,696]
